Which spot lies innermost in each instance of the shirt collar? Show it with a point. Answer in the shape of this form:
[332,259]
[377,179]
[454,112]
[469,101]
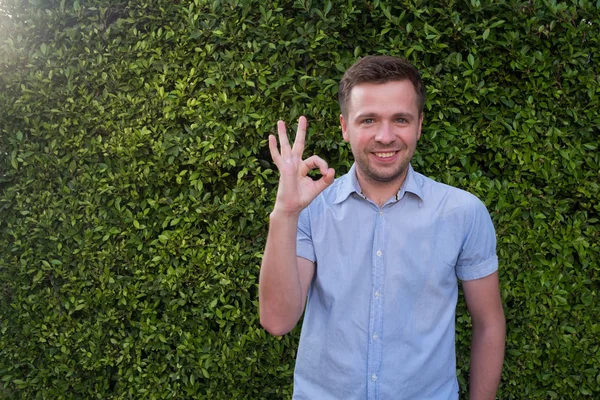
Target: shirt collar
[412,184]
[349,184]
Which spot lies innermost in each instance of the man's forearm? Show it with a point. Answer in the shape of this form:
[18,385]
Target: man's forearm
[487,357]
[280,289]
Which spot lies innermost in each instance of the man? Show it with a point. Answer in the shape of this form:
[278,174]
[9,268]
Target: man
[375,256]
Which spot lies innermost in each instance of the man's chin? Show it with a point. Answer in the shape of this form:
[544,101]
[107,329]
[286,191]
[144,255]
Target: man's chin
[382,177]
[386,179]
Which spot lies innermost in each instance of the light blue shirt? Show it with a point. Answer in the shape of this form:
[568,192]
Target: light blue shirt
[380,315]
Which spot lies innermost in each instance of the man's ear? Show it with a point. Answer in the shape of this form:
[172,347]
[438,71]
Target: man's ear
[344,128]
[420,124]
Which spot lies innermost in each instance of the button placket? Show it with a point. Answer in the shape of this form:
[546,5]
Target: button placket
[375,323]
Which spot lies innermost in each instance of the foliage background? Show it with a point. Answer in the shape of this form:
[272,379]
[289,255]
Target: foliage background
[135,180]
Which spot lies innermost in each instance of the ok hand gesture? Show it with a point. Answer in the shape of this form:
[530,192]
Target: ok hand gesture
[296,189]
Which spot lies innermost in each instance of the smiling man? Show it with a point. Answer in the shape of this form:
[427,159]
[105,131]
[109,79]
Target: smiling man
[374,257]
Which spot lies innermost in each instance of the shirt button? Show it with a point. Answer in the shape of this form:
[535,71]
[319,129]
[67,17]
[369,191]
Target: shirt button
[377,294]
[380,213]
[375,336]
[379,253]
[373,377]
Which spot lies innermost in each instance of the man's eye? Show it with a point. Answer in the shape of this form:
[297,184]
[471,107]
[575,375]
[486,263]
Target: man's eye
[401,120]
[368,121]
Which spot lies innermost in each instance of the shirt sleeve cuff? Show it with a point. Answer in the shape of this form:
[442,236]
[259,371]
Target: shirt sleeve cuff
[305,251]
[481,270]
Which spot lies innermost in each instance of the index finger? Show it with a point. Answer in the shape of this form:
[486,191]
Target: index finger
[300,137]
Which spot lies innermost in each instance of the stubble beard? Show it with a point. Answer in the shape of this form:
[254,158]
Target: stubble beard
[377,176]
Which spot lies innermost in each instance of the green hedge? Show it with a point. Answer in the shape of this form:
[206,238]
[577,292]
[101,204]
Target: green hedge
[136,182]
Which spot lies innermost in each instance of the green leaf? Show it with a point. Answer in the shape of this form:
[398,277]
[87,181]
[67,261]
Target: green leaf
[38,276]
[486,33]
[328,6]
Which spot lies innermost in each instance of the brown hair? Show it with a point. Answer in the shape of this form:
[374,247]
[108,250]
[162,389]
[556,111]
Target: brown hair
[380,69]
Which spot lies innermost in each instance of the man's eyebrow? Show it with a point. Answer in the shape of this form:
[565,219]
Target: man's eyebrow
[365,115]
[370,114]
[405,115]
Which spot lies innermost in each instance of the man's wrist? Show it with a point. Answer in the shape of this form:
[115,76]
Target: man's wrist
[283,214]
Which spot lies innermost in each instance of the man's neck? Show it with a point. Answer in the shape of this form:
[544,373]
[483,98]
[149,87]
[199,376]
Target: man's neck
[377,191]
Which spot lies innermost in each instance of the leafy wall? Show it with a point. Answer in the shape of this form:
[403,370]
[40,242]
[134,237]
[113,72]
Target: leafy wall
[136,182]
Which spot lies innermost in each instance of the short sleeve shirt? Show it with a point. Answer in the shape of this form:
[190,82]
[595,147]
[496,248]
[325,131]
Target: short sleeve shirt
[380,315]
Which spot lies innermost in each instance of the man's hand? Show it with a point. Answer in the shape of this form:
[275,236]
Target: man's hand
[296,189]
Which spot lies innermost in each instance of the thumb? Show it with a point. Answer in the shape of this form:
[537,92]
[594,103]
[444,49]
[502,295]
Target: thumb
[327,179]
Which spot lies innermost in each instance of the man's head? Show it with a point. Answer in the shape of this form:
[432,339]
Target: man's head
[382,112]
[379,69]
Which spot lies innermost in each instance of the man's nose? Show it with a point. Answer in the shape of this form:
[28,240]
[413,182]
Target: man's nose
[385,134]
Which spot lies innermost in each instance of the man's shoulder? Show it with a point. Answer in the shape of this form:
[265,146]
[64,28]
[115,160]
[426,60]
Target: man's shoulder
[452,196]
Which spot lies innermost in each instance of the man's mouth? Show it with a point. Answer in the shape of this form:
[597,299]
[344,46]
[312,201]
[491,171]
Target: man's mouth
[386,154]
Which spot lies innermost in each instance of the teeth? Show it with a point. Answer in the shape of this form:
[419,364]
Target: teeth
[385,155]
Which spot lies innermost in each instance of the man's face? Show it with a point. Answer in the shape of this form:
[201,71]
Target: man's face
[382,126]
